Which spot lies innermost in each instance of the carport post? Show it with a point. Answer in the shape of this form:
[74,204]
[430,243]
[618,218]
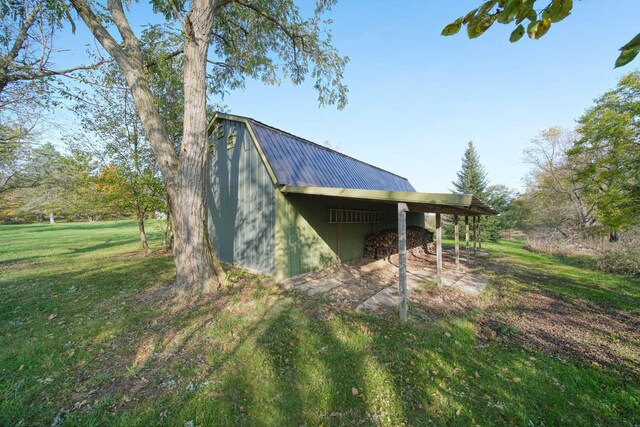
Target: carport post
[475,236]
[479,234]
[466,234]
[438,250]
[456,235]
[402,261]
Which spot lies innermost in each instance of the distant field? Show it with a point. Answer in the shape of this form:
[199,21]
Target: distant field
[90,335]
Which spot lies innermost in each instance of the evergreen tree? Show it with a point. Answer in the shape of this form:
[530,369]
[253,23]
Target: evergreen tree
[472,178]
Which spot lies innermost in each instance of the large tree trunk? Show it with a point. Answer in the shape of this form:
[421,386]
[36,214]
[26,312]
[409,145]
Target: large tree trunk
[197,268]
[52,220]
[196,263]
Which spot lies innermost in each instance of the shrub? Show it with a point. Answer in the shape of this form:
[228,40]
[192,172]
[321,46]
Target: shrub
[622,257]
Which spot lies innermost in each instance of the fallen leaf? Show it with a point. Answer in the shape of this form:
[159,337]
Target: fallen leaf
[53,316]
[477,374]
[412,362]
[517,379]
[354,391]
[458,412]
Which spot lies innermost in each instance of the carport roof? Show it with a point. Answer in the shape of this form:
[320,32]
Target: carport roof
[447,203]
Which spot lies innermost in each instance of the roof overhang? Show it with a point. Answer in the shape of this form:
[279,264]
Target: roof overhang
[447,203]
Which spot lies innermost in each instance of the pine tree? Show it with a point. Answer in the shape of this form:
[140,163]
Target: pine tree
[472,178]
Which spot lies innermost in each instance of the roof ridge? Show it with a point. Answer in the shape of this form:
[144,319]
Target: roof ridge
[323,147]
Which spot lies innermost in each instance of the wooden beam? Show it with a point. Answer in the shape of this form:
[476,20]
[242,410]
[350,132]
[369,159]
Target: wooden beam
[438,250]
[479,234]
[402,262]
[456,236]
[466,234]
[475,236]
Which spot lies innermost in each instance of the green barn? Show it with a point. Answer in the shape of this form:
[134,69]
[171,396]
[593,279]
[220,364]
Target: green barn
[282,205]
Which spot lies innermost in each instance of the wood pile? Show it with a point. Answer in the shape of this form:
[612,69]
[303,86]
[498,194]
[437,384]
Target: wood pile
[385,243]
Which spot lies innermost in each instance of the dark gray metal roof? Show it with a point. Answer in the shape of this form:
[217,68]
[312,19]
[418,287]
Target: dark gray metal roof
[298,162]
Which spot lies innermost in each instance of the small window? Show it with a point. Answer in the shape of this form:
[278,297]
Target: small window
[349,216]
[218,130]
[231,140]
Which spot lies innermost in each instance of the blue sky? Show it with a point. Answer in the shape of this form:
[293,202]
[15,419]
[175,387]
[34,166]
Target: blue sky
[416,98]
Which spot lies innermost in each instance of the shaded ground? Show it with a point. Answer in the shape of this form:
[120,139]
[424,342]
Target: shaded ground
[88,337]
[370,284]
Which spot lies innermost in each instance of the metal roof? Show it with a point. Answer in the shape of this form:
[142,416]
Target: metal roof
[297,165]
[297,161]
[448,203]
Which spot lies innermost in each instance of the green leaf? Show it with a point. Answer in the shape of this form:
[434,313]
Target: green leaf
[508,14]
[452,28]
[558,10]
[633,44]
[625,57]
[477,27]
[517,34]
[628,52]
[537,29]
[524,10]
[486,7]
[469,16]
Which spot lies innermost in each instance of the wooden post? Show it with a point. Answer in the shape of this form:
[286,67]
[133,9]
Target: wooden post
[438,250]
[475,236]
[402,255]
[456,235]
[466,234]
[479,234]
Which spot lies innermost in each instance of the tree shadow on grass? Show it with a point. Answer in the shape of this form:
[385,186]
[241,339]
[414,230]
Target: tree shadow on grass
[255,355]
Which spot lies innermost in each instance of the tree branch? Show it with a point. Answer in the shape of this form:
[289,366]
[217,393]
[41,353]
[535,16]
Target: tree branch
[167,57]
[49,73]
[265,15]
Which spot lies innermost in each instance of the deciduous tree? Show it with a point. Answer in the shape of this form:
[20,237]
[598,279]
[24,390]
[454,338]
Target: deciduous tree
[607,155]
[224,41]
[554,185]
[112,131]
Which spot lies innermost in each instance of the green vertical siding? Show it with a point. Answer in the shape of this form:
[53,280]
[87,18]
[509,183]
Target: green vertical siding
[241,202]
[306,241]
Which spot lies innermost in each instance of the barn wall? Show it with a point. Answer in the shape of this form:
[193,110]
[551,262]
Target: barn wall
[241,202]
[306,241]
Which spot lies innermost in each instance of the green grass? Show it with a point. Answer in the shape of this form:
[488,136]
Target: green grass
[88,334]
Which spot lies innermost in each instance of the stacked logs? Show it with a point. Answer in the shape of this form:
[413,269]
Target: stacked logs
[384,243]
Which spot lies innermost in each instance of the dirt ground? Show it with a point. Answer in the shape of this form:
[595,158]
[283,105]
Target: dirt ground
[351,284]
[537,318]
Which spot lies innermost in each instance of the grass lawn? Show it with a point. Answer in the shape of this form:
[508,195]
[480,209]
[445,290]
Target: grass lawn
[90,335]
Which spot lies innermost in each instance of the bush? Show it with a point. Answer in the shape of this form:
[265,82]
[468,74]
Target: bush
[622,257]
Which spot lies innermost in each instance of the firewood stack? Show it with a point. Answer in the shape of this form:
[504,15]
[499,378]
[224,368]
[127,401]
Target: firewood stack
[384,243]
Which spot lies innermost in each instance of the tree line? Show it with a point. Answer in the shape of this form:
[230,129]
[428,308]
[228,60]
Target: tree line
[582,193]
[160,77]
